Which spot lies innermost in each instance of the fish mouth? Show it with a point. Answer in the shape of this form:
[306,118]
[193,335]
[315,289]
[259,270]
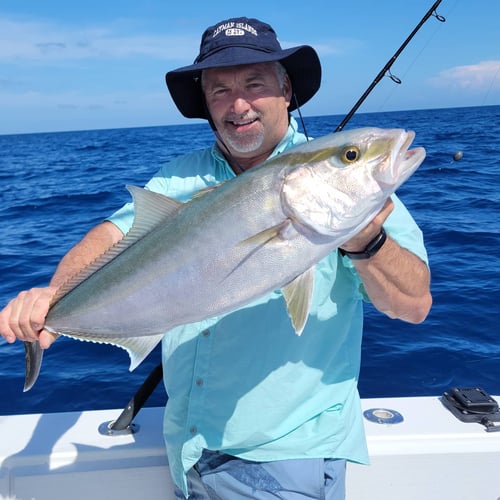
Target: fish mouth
[411,155]
[405,160]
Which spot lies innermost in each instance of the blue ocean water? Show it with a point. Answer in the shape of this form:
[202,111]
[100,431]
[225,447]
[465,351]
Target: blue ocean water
[55,186]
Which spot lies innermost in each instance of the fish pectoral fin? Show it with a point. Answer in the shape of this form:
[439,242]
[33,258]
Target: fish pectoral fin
[33,359]
[260,239]
[298,296]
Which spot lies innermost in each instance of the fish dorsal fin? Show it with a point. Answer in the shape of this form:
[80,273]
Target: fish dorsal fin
[298,296]
[151,210]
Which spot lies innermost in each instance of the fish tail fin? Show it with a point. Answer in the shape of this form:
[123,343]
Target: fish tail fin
[33,358]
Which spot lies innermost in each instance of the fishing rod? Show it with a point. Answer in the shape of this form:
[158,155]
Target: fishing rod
[386,69]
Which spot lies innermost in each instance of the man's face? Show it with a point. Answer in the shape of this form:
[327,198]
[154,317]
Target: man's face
[249,106]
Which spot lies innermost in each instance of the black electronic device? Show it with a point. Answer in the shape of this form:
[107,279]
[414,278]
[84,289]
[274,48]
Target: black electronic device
[472,404]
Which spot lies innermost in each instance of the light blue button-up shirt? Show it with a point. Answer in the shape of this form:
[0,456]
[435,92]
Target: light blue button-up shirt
[245,383]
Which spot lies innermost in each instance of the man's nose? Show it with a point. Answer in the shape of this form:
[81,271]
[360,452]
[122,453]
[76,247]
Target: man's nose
[241,104]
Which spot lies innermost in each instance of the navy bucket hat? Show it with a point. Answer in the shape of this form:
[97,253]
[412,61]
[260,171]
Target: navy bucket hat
[240,41]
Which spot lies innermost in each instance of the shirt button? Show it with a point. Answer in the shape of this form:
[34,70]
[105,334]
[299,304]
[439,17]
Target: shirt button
[199,382]
[206,333]
[193,429]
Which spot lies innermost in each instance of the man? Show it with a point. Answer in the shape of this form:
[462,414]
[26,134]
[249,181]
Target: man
[255,411]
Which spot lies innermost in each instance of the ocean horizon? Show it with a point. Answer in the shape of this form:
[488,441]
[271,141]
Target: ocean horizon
[55,186]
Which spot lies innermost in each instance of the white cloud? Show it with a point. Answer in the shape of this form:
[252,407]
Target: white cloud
[43,42]
[482,76]
[328,47]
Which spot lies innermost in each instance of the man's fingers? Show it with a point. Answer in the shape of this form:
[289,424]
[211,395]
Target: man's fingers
[46,339]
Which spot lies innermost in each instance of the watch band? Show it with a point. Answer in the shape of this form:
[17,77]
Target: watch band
[371,249]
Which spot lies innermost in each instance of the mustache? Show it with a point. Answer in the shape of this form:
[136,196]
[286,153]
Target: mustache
[247,116]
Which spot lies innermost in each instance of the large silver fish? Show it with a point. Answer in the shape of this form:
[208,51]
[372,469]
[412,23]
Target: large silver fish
[262,231]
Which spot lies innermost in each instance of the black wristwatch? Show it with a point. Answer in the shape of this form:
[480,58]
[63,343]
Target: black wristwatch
[371,249]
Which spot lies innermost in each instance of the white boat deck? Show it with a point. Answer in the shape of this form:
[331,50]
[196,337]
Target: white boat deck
[430,455]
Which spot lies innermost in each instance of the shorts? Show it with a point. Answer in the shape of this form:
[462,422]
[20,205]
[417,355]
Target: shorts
[218,476]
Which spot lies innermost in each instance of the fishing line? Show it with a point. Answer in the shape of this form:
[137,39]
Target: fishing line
[440,18]
[297,106]
[397,80]
[385,71]
[491,86]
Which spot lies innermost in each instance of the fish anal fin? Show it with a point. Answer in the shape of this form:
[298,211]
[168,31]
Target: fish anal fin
[298,296]
[138,348]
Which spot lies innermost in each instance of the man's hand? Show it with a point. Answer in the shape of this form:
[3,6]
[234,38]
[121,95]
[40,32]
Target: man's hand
[24,317]
[359,242]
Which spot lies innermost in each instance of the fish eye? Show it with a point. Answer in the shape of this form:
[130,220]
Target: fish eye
[350,154]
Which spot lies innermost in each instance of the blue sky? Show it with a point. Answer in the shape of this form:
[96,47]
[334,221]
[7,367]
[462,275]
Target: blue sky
[101,64]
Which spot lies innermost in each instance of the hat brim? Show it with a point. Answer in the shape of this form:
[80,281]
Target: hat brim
[301,63]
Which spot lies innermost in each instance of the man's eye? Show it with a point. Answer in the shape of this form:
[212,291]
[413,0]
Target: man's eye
[219,92]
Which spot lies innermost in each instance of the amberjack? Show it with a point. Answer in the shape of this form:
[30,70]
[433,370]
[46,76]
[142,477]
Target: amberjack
[231,244]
